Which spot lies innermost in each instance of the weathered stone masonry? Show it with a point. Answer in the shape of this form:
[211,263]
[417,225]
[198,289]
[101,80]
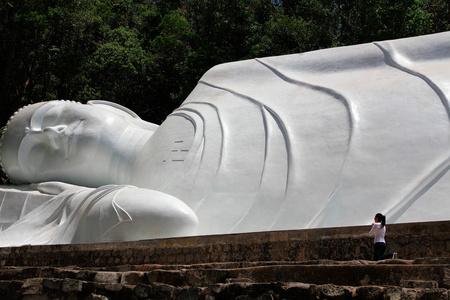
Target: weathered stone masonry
[411,241]
[331,263]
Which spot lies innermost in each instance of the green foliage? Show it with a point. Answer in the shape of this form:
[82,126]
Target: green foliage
[117,64]
[148,55]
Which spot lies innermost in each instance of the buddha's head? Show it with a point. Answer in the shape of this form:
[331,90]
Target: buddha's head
[68,141]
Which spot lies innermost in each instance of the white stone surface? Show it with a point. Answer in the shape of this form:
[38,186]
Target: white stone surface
[318,139]
[17,201]
[108,213]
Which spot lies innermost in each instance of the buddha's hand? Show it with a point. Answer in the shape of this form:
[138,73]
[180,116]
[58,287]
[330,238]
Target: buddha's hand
[54,187]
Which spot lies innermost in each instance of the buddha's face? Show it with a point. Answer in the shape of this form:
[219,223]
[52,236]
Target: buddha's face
[71,142]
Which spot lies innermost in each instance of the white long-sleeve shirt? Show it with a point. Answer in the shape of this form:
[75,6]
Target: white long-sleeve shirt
[378,232]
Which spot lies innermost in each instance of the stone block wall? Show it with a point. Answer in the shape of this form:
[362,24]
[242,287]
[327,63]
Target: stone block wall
[389,279]
[410,241]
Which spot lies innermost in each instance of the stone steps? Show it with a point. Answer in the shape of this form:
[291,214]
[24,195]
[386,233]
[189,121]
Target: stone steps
[39,288]
[323,263]
[392,279]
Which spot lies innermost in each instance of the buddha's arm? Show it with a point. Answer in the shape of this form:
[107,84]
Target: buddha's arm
[17,201]
[145,214]
[59,213]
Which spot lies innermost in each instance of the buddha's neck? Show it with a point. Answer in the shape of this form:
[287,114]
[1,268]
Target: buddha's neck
[126,151]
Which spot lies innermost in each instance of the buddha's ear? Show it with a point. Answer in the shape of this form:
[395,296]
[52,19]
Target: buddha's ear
[114,107]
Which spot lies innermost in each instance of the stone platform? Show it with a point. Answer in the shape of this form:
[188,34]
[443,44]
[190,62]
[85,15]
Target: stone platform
[329,263]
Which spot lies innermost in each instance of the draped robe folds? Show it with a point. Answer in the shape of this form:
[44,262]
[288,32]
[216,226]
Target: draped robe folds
[77,215]
[319,139]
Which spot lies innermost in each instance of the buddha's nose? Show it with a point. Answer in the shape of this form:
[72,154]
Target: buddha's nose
[54,134]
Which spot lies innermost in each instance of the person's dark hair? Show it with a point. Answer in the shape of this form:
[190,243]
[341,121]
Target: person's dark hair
[381,218]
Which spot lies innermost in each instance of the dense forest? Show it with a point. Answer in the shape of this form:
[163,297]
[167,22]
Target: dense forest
[149,54]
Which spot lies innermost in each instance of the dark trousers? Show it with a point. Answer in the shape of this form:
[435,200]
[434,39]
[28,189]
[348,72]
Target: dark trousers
[378,252]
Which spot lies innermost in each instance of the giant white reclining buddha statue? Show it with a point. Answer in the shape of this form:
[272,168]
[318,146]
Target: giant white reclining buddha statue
[319,139]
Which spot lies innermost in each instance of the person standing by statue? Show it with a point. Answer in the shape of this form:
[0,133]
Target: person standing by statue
[378,230]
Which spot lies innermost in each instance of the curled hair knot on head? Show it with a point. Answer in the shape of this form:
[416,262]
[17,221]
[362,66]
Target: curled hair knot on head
[15,130]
